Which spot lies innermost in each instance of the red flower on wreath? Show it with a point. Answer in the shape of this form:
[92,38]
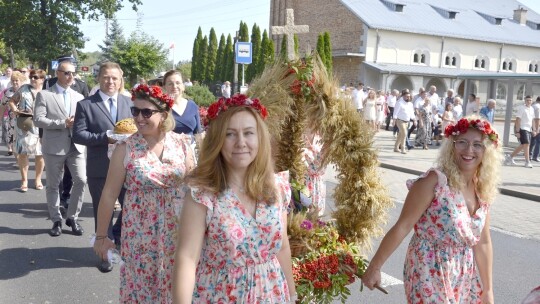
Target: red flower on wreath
[464,124]
[238,100]
[145,91]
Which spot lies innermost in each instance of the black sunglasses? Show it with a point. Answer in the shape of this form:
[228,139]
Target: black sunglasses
[67,73]
[146,113]
[35,77]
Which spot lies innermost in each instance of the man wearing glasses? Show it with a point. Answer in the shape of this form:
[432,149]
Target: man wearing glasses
[54,113]
[94,116]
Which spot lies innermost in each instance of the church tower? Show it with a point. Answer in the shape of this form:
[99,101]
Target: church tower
[346,32]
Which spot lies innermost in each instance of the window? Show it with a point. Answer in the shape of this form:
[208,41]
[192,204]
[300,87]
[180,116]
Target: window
[447,60]
[510,66]
[454,62]
[483,65]
[423,58]
[531,67]
[504,67]
[420,57]
[476,63]
[536,68]
[415,58]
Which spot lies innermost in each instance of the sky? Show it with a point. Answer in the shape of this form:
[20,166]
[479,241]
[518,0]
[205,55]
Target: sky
[177,21]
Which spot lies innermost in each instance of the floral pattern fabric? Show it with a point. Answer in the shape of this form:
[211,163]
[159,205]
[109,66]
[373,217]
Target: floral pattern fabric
[27,142]
[315,171]
[9,119]
[238,263]
[439,265]
[423,134]
[153,199]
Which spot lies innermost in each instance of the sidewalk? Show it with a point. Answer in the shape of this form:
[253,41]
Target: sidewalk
[517,181]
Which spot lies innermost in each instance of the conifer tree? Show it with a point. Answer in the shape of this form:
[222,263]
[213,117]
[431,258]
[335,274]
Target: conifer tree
[296,44]
[267,49]
[219,59]
[320,48]
[328,52]
[228,60]
[255,52]
[211,58]
[203,59]
[115,38]
[283,48]
[195,75]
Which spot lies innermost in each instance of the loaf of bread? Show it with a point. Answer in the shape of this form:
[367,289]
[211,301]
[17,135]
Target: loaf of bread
[125,126]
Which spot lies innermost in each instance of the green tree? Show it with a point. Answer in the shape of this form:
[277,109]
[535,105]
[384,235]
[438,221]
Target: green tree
[47,29]
[203,59]
[195,59]
[296,44]
[320,48]
[184,67]
[243,33]
[328,53]
[267,49]
[211,57]
[114,38]
[255,52]
[141,55]
[228,62]
[218,72]
[283,48]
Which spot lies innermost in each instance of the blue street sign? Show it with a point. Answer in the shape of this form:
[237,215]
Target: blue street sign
[243,52]
[54,64]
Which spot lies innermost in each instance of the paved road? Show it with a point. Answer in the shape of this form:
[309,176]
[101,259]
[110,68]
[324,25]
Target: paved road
[36,268]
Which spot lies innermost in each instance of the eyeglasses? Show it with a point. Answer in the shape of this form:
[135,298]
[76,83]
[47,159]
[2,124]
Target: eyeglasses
[35,77]
[462,144]
[24,71]
[67,73]
[146,113]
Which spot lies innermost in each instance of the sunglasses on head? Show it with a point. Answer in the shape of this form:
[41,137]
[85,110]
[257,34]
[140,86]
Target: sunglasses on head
[67,73]
[146,113]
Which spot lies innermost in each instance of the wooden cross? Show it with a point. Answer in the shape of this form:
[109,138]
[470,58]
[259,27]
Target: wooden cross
[290,29]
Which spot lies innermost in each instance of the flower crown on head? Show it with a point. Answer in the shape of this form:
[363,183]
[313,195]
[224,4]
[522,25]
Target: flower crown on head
[238,100]
[464,124]
[154,92]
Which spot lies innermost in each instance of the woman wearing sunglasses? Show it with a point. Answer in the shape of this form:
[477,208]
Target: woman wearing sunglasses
[450,257]
[27,135]
[151,164]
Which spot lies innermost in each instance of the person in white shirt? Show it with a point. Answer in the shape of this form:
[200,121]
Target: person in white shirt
[458,108]
[535,144]
[522,130]
[358,96]
[226,89]
[391,103]
[5,81]
[188,83]
[433,96]
[403,113]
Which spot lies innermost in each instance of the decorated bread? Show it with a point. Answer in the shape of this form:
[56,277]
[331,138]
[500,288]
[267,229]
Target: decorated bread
[125,126]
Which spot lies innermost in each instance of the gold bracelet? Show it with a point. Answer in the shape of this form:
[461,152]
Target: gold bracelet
[101,237]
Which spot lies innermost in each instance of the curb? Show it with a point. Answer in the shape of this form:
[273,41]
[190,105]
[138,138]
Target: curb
[505,191]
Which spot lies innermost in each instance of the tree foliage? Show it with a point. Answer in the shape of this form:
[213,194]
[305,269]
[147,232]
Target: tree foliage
[328,62]
[218,72]
[267,47]
[115,37]
[283,48]
[256,50]
[203,59]
[141,55]
[320,47]
[46,29]
[211,56]
[229,60]
[195,60]
[184,67]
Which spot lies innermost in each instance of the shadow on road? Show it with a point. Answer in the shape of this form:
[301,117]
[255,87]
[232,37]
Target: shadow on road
[19,262]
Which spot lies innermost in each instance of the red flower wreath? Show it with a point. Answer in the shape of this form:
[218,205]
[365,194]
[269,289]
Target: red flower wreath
[238,100]
[464,124]
[154,92]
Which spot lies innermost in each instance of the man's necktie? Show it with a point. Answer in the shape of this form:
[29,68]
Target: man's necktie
[67,102]
[112,107]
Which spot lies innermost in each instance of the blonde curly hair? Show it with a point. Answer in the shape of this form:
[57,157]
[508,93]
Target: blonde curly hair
[487,176]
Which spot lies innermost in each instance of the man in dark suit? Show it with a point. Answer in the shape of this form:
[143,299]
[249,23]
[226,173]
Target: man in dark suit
[94,116]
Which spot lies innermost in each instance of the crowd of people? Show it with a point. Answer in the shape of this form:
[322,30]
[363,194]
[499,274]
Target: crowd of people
[211,227]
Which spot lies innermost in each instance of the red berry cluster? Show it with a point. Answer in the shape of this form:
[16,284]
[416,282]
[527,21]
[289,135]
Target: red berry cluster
[320,270]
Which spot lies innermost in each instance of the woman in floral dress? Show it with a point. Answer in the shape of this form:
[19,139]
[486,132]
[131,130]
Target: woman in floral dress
[450,257]
[233,245]
[151,165]
[423,134]
[10,120]
[314,181]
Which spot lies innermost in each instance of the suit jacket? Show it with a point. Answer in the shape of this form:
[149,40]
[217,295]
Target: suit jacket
[92,120]
[50,114]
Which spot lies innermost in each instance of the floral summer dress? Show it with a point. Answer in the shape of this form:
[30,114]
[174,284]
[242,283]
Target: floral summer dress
[153,199]
[440,266]
[238,262]
[314,181]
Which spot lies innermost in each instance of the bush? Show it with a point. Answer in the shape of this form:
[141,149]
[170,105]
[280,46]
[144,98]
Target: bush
[200,94]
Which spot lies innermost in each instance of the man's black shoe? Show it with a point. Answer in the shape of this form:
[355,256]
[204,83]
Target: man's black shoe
[105,266]
[75,227]
[56,229]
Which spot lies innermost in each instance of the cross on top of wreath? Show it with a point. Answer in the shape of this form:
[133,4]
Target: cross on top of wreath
[290,29]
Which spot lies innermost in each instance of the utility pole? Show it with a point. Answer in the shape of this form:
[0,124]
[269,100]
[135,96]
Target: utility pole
[235,80]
